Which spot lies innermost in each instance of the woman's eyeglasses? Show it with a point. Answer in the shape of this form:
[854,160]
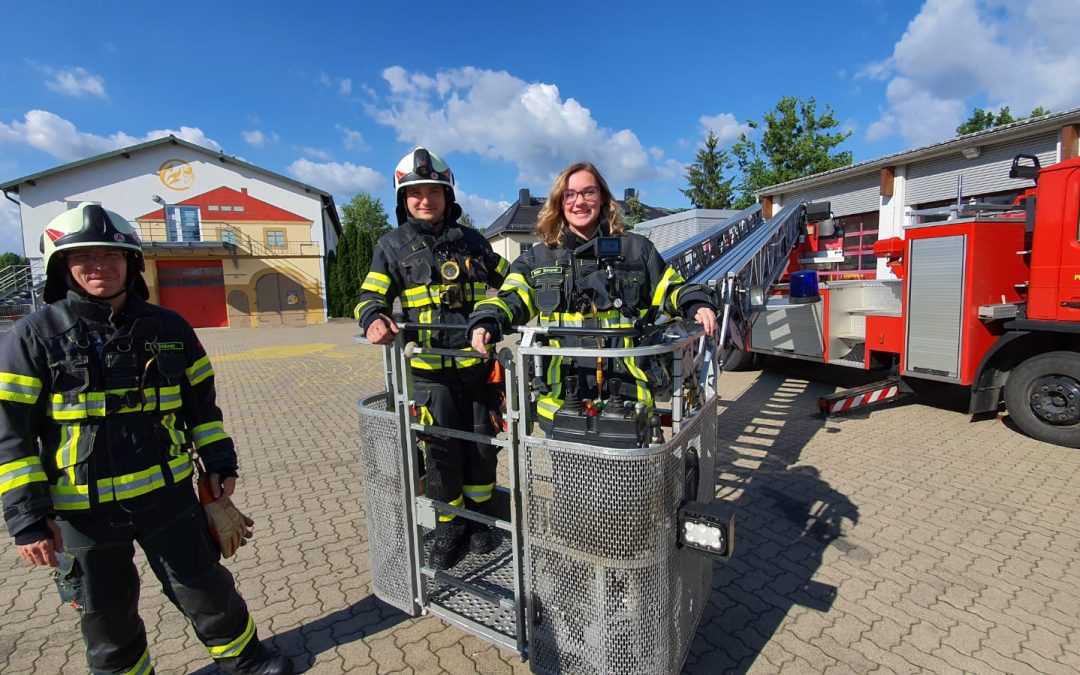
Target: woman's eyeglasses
[589,194]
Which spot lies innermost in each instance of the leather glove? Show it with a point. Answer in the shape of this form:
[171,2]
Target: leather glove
[230,528]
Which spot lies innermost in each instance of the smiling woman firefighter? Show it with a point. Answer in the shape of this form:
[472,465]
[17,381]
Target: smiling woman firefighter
[588,272]
[103,396]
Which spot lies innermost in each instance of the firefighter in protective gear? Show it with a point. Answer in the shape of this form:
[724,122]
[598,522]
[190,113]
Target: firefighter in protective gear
[439,269]
[580,277]
[102,398]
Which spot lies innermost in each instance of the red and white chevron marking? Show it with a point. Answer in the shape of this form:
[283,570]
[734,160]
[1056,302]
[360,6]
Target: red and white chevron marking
[851,402]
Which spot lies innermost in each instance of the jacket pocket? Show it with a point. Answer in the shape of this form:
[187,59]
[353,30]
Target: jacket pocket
[71,377]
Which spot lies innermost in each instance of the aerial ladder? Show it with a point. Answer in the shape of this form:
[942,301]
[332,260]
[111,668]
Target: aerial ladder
[609,528]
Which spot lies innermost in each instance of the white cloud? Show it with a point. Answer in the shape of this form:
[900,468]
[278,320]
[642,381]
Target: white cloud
[314,153]
[75,82]
[483,211]
[352,139]
[58,137]
[960,54]
[342,84]
[340,178]
[254,138]
[725,126]
[498,116]
[10,229]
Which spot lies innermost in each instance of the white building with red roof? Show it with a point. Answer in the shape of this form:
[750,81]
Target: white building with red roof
[226,243]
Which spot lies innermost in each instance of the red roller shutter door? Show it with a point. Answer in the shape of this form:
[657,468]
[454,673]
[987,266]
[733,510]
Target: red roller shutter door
[195,289]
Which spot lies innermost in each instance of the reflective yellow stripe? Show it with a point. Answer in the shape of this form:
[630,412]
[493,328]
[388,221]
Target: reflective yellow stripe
[502,266]
[517,283]
[478,493]
[496,302]
[199,371]
[67,451]
[19,388]
[208,433]
[127,486]
[142,666]
[547,405]
[234,648]
[93,403]
[361,307]
[447,517]
[376,282]
[421,296]
[21,472]
[424,416]
[176,436]
[670,278]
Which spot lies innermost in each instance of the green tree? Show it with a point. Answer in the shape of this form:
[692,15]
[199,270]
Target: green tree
[982,119]
[796,142]
[633,211]
[363,222]
[8,259]
[466,220]
[709,189]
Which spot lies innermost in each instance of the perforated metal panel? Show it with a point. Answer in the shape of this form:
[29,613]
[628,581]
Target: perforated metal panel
[610,592]
[392,580]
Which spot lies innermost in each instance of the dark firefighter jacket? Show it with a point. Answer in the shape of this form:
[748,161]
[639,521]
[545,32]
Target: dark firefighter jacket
[568,289]
[98,408]
[439,277]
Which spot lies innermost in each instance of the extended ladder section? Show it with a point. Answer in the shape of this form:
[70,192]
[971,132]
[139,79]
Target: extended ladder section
[742,258]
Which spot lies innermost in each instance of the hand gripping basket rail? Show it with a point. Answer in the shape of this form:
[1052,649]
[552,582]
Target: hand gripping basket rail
[606,553]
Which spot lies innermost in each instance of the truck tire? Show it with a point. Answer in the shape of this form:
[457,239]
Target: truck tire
[1042,396]
[740,360]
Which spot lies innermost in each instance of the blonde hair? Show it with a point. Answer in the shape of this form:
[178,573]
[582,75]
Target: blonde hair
[551,225]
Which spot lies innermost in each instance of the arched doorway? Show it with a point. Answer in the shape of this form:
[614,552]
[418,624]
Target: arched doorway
[280,301]
[239,310]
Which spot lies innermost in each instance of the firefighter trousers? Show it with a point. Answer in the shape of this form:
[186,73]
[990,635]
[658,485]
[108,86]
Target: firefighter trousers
[98,577]
[459,472]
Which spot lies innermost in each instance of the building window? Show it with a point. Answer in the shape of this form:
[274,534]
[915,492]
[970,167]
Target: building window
[212,207]
[182,223]
[275,238]
[226,208]
[229,236]
[238,208]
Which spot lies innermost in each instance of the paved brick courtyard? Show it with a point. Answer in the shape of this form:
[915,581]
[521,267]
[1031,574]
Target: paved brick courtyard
[907,540]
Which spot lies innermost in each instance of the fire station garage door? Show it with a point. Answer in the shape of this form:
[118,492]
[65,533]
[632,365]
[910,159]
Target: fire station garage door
[195,289]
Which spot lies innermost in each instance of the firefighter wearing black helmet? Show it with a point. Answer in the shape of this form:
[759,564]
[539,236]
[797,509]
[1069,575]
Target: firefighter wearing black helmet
[439,270]
[102,398]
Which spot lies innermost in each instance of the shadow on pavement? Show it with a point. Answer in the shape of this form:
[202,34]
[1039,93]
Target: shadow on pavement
[303,644]
[786,516]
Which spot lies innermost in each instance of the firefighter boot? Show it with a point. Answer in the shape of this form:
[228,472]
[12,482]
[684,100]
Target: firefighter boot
[450,544]
[481,538]
[256,659]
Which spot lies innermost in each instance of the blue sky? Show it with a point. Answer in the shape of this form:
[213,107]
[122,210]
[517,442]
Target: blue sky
[334,93]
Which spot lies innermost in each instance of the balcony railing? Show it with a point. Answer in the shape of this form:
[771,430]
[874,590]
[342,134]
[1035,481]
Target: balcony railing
[221,235]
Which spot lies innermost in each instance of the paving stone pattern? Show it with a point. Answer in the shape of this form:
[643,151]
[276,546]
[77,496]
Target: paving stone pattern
[905,540]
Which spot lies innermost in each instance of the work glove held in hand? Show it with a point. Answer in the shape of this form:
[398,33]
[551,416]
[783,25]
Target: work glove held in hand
[230,528]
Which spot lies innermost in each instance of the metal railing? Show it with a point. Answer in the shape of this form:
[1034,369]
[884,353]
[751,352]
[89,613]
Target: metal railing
[231,238]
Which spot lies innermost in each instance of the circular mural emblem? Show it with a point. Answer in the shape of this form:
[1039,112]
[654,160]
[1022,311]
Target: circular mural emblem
[176,174]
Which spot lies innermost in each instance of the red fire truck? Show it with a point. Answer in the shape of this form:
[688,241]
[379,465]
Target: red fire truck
[988,299]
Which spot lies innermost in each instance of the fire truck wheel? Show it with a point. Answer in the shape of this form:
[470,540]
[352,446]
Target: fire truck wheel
[740,360]
[1042,396]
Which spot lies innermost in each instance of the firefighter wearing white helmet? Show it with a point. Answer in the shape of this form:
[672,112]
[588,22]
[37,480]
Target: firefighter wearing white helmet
[439,269]
[103,396]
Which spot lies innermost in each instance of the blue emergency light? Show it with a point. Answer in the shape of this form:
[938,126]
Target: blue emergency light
[804,287]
